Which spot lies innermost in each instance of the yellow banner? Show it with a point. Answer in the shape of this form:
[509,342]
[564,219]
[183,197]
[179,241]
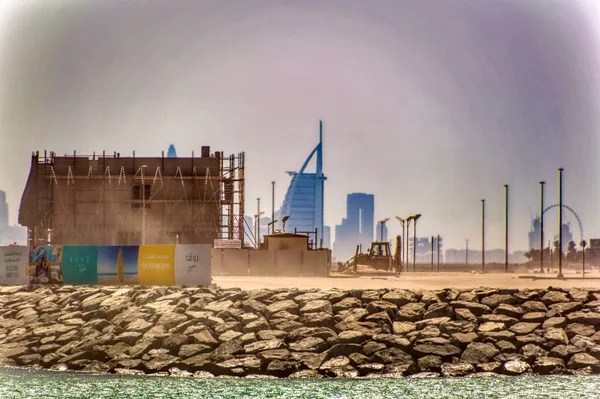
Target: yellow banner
[156,265]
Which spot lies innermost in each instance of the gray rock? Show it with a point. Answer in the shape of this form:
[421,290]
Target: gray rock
[173,342]
[257,325]
[491,327]
[438,310]
[534,306]
[558,322]
[352,337]
[309,360]
[229,336]
[270,334]
[275,354]
[531,352]
[429,363]
[203,338]
[534,317]
[443,350]
[581,360]
[317,306]
[403,327]
[347,304]
[190,350]
[457,369]
[382,306]
[516,367]
[283,368]
[553,297]
[523,328]
[309,344]
[509,310]
[399,297]
[411,312]
[461,326]
[476,308]
[478,352]
[584,330]
[320,319]
[306,374]
[549,365]
[463,339]
[506,347]
[564,308]
[260,346]
[371,347]
[496,299]
[392,355]
[489,367]
[465,314]
[287,305]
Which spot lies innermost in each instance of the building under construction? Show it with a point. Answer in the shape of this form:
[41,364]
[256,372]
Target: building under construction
[115,200]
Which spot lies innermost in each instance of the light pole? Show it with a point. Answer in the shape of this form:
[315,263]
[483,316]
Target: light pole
[583,245]
[542,226]
[431,254]
[560,222]
[415,218]
[506,228]
[382,222]
[143,188]
[273,201]
[257,222]
[283,220]
[467,252]
[272,226]
[438,252]
[408,220]
[482,235]
[401,220]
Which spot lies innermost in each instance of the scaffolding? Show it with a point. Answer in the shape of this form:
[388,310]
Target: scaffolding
[113,200]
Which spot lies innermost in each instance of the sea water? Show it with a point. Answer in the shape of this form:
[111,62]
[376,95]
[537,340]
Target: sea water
[25,384]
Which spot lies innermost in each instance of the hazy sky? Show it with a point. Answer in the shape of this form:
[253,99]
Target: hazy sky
[429,104]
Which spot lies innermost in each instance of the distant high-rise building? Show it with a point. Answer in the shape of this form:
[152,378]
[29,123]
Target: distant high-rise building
[379,231]
[303,202]
[534,234]
[171,153]
[3,210]
[326,237]
[357,227]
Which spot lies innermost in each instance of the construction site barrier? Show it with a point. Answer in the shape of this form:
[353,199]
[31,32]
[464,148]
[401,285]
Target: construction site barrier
[106,265]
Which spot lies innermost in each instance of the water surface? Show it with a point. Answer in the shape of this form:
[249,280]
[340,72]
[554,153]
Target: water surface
[25,384]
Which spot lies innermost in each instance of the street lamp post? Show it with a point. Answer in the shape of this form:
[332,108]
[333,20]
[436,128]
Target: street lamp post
[143,188]
[438,253]
[415,218]
[283,220]
[257,222]
[431,254]
[401,220]
[506,228]
[560,222]
[542,226]
[583,245]
[273,202]
[482,235]
[408,220]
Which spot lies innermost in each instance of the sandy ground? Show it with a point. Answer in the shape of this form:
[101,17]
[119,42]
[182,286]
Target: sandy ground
[431,281]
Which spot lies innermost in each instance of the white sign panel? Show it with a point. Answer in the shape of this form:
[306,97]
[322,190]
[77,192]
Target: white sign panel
[13,265]
[222,244]
[192,265]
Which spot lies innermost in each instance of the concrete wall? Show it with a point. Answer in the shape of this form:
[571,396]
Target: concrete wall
[251,262]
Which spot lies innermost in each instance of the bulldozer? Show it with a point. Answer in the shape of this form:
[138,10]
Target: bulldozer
[378,259]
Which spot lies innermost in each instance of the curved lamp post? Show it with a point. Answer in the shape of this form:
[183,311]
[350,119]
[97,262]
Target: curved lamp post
[401,220]
[382,222]
[415,218]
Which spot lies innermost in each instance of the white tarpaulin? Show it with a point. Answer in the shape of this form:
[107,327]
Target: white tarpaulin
[13,265]
[192,265]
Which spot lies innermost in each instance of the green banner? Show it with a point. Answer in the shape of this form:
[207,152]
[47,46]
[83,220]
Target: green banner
[80,264]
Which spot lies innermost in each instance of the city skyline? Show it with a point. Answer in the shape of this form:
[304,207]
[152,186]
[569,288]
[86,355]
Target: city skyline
[429,120]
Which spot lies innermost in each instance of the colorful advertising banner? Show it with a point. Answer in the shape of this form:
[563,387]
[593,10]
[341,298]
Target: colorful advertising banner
[156,265]
[45,265]
[13,265]
[118,265]
[192,265]
[80,264]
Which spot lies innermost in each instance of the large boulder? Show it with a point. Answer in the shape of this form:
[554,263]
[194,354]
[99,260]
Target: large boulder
[476,308]
[478,352]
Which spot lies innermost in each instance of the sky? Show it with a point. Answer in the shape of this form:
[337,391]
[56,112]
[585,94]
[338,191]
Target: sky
[430,105]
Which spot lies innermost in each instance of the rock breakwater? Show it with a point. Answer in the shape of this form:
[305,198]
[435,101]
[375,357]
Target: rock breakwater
[301,333]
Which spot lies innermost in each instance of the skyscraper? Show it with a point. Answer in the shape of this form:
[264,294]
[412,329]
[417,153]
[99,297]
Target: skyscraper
[171,153]
[303,202]
[357,227]
[3,210]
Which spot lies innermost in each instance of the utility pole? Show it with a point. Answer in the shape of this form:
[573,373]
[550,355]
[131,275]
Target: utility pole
[467,253]
[431,253]
[258,223]
[560,222]
[506,228]
[438,253]
[482,235]
[273,207]
[542,226]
